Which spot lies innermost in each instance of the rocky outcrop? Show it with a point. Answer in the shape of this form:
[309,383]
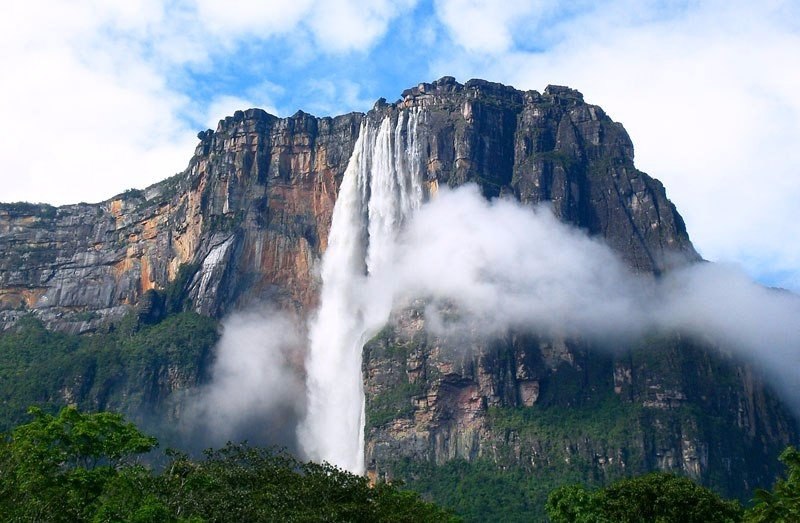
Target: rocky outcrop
[247,221]
[549,147]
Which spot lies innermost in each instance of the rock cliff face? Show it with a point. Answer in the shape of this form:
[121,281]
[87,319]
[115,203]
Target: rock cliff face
[247,223]
[247,220]
[559,408]
[550,147]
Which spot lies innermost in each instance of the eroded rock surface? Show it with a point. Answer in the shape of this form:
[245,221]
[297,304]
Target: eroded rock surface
[247,220]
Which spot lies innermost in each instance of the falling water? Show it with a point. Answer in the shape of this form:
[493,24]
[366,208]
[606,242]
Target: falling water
[381,187]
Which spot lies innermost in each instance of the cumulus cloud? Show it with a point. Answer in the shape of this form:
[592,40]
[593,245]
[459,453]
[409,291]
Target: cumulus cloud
[101,98]
[252,18]
[486,26]
[344,25]
[73,118]
[256,388]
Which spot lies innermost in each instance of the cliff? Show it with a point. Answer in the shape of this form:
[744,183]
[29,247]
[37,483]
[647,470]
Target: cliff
[249,217]
[248,220]
[527,413]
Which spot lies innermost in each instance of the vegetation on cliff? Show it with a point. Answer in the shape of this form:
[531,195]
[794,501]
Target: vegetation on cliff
[129,366]
[498,427]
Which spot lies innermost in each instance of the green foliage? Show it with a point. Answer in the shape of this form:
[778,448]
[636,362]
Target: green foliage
[575,504]
[240,483]
[54,468]
[397,392]
[566,160]
[782,504]
[476,491]
[656,497]
[609,419]
[122,367]
[78,467]
[514,487]
[566,440]
[19,209]
[132,194]
[72,439]
[393,403]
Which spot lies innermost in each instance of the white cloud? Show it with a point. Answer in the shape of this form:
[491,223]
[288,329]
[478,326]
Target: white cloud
[501,265]
[344,25]
[76,125]
[506,265]
[334,96]
[90,109]
[252,18]
[256,390]
[707,93]
[488,26]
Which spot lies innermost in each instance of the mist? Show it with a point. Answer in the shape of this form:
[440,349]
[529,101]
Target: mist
[256,392]
[501,265]
[506,265]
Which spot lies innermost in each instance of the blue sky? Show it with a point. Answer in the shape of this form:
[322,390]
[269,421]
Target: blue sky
[105,95]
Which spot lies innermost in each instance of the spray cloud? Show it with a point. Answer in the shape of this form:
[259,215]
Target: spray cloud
[504,265]
[256,392]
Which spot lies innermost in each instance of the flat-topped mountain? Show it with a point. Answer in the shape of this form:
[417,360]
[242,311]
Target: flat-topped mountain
[247,224]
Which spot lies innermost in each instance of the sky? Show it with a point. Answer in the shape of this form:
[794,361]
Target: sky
[99,96]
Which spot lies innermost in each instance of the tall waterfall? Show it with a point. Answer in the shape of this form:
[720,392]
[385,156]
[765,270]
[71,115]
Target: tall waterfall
[382,186]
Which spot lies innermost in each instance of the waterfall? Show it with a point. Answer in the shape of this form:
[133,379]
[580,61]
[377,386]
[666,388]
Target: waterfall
[382,186]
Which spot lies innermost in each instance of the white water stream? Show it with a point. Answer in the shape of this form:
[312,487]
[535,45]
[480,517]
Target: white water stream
[381,188]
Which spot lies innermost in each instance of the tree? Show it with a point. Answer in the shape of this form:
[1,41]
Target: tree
[242,483]
[782,504]
[55,468]
[657,497]
[575,504]
[83,467]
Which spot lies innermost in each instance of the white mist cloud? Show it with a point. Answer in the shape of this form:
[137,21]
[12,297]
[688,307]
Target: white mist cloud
[508,265]
[500,265]
[490,266]
[721,303]
[256,390]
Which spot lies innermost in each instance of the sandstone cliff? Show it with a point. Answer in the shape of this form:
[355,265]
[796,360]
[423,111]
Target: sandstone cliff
[249,216]
[247,220]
